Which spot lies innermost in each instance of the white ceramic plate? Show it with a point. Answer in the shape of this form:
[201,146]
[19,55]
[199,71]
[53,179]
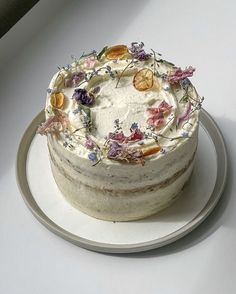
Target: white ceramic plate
[198,199]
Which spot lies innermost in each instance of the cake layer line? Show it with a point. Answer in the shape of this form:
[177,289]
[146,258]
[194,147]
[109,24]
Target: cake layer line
[147,188]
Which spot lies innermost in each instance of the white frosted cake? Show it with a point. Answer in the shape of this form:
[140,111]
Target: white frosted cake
[122,131]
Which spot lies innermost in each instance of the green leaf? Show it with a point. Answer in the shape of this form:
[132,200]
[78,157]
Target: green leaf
[101,52]
[165,62]
[86,110]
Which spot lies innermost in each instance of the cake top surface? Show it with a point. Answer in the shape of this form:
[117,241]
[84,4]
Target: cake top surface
[121,104]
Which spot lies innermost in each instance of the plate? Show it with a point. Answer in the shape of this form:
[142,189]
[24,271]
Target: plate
[47,204]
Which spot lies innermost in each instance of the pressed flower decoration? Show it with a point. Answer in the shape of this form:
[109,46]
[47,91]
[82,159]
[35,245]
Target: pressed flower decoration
[116,52]
[57,100]
[90,61]
[178,74]
[137,51]
[55,124]
[157,118]
[74,79]
[136,135]
[148,73]
[84,97]
[143,79]
[121,152]
[90,144]
[185,115]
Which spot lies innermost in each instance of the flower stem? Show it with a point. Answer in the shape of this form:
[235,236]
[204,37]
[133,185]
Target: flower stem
[123,72]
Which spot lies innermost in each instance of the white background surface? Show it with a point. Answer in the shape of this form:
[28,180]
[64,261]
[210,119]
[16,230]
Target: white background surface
[199,33]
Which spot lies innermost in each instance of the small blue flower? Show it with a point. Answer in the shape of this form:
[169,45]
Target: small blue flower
[69,66]
[185,135]
[117,122]
[134,126]
[76,111]
[185,83]
[163,151]
[49,90]
[92,156]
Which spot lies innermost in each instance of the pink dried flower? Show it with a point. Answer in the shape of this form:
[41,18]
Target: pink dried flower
[89,61]
[90,144]
[157,119]
[184,116]
[136,135]
[163,107]
[179,74]
[120,137]
[55,124]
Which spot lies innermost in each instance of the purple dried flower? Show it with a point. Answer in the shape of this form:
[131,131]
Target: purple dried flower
[82,96]
[137,51]
[115,148]
[78,77]
[74,79]
[123,153]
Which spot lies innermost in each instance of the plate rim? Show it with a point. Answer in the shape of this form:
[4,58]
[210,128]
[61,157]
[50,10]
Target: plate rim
[208,124]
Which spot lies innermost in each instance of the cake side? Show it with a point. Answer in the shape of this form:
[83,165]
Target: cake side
[119,198]
[120,176]
[122,207]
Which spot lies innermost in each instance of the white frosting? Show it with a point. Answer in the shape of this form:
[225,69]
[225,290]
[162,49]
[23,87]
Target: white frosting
[127,104]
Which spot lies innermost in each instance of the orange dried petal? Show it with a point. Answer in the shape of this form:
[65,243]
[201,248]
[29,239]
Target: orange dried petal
[150,150]
[116,52]
[57,100]
[143,79]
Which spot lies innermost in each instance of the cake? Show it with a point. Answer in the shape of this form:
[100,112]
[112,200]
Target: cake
[122,131]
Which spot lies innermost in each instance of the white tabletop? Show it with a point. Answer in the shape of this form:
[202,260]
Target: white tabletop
[198,33]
